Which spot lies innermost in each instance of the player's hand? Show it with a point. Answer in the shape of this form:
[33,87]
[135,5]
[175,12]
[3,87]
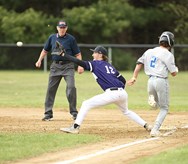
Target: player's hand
[131,81]
[80,69]
[38,64]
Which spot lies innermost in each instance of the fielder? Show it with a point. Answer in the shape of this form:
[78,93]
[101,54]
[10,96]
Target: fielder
[157,63]
[113,84]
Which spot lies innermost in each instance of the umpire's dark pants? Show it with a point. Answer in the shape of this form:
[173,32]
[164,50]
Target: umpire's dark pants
[57,71]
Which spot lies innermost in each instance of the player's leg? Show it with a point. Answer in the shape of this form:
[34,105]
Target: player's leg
[152,94]
[122,103]
[53,84]
[96,101]
[163,96]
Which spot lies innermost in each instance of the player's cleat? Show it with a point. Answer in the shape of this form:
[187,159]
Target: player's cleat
[152,102]
[148,127]
[71,130]
[155,133]
[47,118]
[74,116]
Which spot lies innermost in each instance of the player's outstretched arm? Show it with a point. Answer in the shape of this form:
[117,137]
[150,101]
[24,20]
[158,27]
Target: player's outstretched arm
[75,60]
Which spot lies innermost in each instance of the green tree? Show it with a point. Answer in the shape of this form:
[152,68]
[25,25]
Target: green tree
[29,26]
[100,21]
[114,22]
[49,7]
[96,21]
[179,11]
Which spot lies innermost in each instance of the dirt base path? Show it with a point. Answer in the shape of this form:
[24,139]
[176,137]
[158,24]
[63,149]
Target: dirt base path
[115,128]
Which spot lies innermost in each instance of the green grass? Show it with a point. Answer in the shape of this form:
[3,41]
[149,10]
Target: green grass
[27,89]
[24,145]
[174,156]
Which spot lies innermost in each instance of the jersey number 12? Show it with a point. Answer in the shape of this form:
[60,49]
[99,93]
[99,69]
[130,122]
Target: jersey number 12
[109,70]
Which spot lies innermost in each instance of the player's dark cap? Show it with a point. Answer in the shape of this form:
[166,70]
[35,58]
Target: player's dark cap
[100,50]
[62,23]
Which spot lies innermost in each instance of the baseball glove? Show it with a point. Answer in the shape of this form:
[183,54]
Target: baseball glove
[59,50]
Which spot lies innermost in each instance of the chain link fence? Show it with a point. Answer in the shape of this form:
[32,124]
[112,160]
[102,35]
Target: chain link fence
[122,56]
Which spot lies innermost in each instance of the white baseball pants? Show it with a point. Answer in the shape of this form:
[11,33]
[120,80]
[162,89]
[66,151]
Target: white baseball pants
[118,97]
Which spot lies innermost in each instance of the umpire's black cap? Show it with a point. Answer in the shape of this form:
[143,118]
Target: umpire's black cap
[100,50]
[62,23]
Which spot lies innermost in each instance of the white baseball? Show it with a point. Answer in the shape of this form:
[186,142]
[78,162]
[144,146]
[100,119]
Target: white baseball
[19,44]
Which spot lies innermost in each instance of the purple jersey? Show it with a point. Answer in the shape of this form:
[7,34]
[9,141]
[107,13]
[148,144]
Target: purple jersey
[105,74]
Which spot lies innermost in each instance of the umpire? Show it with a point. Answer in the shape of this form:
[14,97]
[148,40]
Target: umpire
[61,68]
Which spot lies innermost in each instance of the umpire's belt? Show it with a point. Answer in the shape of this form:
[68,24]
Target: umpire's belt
[61,62]
[114,89]
[158,77]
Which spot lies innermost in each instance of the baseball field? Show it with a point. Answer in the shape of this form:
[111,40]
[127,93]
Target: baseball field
[106,136]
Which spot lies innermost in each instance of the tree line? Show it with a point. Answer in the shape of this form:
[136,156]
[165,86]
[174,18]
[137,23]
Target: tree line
[96,21]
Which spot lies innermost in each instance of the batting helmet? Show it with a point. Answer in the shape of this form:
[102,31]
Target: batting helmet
[168,37]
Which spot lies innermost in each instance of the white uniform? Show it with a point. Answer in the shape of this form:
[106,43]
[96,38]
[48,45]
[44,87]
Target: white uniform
[157,63]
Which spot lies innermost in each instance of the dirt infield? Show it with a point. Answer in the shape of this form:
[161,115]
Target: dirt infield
[109,124]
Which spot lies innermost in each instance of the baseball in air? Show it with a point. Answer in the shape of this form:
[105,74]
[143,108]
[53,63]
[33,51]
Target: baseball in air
[19,44]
